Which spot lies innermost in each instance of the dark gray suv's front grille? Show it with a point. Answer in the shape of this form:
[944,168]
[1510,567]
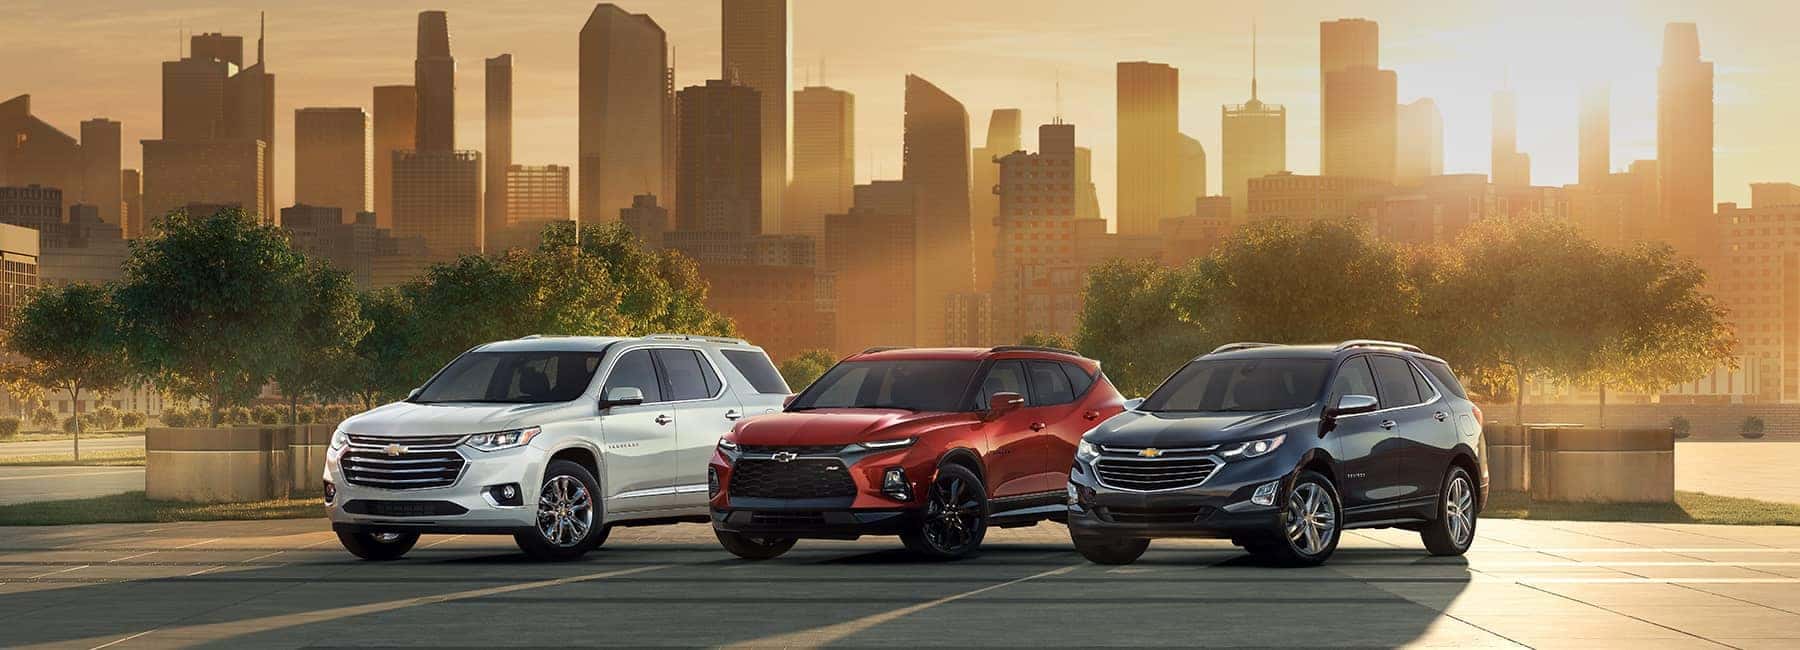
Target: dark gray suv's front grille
[403,462]
[1153,474]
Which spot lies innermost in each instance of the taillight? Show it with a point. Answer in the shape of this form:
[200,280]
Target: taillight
[1479,420]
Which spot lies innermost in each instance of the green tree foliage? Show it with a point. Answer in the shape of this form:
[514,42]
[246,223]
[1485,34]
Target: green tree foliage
[323,340]
[70,339]
[1328,281]
[208,304]
[1661,328]
[800,371]
[1048,340]
[382,367]
[1131,324]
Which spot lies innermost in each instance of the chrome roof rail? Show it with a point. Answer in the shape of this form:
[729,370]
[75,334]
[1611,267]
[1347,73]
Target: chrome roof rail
[1242,345]
[1375,343]
[1033,348]
[884,348]
[723,340]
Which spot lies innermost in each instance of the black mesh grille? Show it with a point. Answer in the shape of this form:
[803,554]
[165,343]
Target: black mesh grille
[1150,475]
[403,508]
[800,479]
[1156,516]
[815,450]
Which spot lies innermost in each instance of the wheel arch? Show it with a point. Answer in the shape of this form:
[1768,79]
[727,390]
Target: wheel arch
[966,458]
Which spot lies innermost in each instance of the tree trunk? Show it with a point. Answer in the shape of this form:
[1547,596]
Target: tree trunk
[294,410]
[1602,422]
[1519,396]
[75,407]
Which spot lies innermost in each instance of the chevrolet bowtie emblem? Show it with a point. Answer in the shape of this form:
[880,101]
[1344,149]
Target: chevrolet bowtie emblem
[1150,452]
[394,449]
[784,456]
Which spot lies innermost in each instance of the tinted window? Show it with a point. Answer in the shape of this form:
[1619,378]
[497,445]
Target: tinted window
[1395,378]
[1241,385]
[1353,378]
[1049,385]
[1079,380]
[513,378]
[1426,391]
[914,385]
[755,366]
[713,384]
[635,369]
[681,374]
[1002,377]
[1441,372]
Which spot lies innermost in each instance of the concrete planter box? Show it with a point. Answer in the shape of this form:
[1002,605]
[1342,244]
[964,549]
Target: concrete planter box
[1602,465]
[234,464]
[1508,458]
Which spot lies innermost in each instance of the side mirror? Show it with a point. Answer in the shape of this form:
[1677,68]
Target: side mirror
[1000,404]
[622,396]
[414,393]
[789,400]
[1353,405]
[1133,403]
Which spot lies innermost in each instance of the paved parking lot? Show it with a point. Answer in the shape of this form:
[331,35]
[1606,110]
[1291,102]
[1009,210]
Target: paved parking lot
[286,584]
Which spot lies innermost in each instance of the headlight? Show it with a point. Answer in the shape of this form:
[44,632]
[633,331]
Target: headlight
[503,439]
[727,445]
[876,445]
[1087,451]
[339,440]
[1253,448]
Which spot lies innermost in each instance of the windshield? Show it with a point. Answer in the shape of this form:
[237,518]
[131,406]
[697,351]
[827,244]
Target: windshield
[1241,385]
[914,385]
[512,378]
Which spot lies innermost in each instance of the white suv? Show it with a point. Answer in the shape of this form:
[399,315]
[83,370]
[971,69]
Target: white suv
[550,439]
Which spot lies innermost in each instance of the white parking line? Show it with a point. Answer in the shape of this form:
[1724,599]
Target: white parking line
[133,557]
[73,568]
[206,541]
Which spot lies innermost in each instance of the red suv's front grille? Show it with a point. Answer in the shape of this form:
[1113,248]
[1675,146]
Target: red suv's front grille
[798,479]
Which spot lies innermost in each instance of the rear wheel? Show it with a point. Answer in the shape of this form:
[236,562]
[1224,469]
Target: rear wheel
[754,548]
[378,547]
[955,517]
[1454,530]
[1111,551]
[1311,522]
[568,515]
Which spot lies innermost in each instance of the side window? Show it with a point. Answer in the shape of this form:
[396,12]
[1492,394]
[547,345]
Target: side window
[1446,378]
[1353,378]
[1003,377]
[1049,385]
[755,366]
[1079,380]
[635,370]
[1395,378]
[1427,392]
[713,383]
[682,379]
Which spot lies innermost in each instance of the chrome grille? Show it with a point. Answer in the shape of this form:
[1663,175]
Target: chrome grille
[421,461]
[1165,473]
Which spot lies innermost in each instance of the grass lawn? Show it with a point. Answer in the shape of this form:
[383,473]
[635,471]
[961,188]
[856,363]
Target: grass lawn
[105,458]
[133,507]
[1689,508]
[43,436]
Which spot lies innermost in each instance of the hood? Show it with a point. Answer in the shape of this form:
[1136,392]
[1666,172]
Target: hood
[841,426]
[1175,430]
[409,419]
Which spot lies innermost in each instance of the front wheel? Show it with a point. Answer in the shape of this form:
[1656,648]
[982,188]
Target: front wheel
[1454,530]
[379,547]
[1311,522]
[568,515]
[1111,551]
[754,548]
[955,517]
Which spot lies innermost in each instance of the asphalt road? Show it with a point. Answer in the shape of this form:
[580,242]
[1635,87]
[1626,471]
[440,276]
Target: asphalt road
[287,584]
[29,484]
[48,447]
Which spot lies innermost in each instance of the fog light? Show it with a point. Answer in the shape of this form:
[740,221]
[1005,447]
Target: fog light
[509,492]
[712,482]
[505,495]
[893,484]
[1265,493]
[1074,496]
[330,492]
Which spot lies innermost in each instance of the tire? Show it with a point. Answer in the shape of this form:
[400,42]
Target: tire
[1311,523]
[1111,551]
[955,519]
[569,515]
[378,547]
[754,548]
[1454,529]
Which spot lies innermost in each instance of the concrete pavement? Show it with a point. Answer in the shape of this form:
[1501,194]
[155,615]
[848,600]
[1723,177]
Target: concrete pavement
[30,484]
[1751,469]
[48,447]
[287,584]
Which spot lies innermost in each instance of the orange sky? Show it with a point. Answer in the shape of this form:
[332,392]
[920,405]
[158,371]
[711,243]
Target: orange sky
[100,58]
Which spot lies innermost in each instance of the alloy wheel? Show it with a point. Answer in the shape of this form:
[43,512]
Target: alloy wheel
[953,514]
[1460,511]
[387,538]
[565,511]
[1311,519]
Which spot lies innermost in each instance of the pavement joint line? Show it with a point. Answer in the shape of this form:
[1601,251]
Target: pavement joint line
[205,570]
[199,543]
[1665,528]
[1619,613]
[45,575]
[261,557]
[130,557]
[1735,598]
[446,539]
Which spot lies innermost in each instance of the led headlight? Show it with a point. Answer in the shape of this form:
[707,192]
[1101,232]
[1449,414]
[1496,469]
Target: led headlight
[880,445]
[1087,451]
[727,444]
[1252,448]
[339,440]
[503,439]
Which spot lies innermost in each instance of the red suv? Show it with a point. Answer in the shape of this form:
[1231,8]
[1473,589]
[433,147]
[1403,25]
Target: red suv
[933,445]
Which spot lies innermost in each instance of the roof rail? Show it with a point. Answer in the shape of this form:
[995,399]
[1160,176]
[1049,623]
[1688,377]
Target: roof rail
[528,337]
[1033,348]
[724,340]
[884,348]
[1374,343]
[1241,345]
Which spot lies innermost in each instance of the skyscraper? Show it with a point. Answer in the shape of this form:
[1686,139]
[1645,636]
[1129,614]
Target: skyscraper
[331,159]
[824,159]
[499,142]
[1357,102]
[1595,134]
[216,119]
[396,120]
[1254,142]
[434,75]
[1419,150]
[437,188]
[37,153]
[936,164]
[1003,137]
[757,46]
[1684,142]
[1192,181]
[131,215]
[721,161]
[100,165]
[536,196]
[623,112]
[1508,166]
[1149,109]
[1038,193]
[870,254]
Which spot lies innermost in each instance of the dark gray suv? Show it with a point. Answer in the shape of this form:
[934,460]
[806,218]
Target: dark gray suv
[1280,448]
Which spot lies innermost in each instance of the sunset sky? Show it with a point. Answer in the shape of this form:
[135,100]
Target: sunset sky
[87,58]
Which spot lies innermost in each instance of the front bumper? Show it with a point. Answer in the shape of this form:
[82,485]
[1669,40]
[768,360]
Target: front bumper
[864,509]
[463,507]
[1219,507]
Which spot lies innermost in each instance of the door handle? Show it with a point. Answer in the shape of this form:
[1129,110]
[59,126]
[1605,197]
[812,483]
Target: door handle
[1037,426]
[1441,416]
[1091,415]
[1389,424]
[733,414]
[664,419]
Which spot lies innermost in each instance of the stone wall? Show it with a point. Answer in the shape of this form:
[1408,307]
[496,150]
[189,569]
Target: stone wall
[234,464]
[1709,421]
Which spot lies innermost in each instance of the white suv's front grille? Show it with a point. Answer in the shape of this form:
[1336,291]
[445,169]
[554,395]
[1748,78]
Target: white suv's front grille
[403,462]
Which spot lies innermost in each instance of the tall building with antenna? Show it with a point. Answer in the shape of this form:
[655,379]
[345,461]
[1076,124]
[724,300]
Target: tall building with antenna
[218,132]
[1254,141]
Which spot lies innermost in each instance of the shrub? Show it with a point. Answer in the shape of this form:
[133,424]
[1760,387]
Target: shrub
[336,413]
[1752,427]
[9,427]
[106,418]
[238,416]
[267,415]
[1681,426]
[307,415]
[44,418]
[131,420]
[68,425]
[174,417]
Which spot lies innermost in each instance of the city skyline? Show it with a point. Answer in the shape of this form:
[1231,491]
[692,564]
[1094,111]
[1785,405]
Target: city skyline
[1020,69]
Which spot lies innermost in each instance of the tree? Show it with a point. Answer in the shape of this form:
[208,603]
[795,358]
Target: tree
[1048,340]
[800,371]
[382,365]
[323,340]
[208,304]
[16,380]
[69,337]
[1281,283]
[1661,328]
[1130,323]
